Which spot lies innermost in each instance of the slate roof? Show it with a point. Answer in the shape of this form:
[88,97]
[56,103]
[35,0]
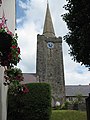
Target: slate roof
[73,90]
[29,78]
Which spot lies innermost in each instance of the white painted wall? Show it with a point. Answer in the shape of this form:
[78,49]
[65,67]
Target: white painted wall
[8,6]
[9,9]
[3,96]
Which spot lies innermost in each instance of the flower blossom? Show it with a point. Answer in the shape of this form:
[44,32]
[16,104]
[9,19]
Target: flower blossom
[14,47]
[10,56]
[1,25]
[25,89]
[18,50]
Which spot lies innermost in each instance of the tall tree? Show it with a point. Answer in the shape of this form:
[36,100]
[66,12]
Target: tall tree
[78,23]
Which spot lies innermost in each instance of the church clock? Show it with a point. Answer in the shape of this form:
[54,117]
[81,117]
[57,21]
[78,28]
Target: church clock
[50,45]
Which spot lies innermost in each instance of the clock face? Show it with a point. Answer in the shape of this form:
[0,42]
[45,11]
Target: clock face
[50,45]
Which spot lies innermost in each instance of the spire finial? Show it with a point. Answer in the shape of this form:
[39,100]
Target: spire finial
[47,1]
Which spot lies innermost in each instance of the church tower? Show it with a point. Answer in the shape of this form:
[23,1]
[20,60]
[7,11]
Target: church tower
[49,67]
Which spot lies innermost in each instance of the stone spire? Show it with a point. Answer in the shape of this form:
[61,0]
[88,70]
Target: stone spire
[48,30]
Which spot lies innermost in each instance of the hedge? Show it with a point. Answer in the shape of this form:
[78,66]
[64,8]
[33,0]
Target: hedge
[35,105]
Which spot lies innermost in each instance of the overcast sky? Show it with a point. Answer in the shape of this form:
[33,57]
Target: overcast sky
[30,22]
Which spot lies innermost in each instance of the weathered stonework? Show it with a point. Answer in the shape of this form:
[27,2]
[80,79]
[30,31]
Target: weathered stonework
[49,65]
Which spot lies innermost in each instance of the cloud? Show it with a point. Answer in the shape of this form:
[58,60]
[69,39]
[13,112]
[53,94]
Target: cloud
[27,42]
[32,25]
[24,5]
[74,72]
[19,20]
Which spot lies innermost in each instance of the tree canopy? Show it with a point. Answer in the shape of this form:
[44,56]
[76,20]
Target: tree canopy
[78,22]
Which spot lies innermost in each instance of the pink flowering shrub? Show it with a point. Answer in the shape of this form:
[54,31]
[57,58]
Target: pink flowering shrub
[13,77]
[9,49]
[10,56]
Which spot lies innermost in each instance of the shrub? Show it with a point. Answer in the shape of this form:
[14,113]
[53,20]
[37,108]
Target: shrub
[35,105]
[75,105]
[65,105]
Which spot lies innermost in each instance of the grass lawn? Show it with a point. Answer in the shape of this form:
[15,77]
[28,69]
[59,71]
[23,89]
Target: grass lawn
[68,115]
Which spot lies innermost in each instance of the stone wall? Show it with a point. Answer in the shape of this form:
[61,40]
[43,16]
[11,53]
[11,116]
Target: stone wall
[49,65]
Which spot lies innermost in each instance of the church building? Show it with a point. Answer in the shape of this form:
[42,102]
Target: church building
[49,61]
[49,65]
